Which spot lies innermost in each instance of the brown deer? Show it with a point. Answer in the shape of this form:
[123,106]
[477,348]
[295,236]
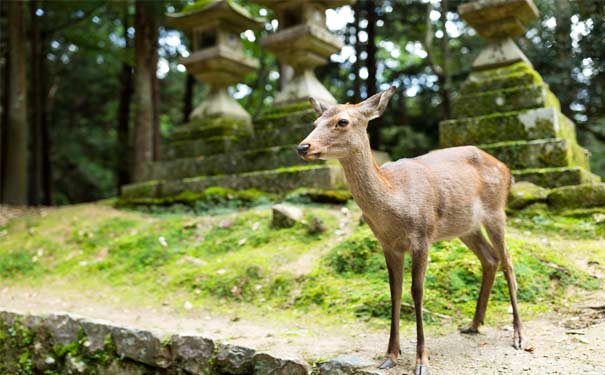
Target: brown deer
[411,203]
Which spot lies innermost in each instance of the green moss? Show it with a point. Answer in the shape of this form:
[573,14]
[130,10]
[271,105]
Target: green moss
[524,193]
[481,83]
[211,197]
[532,154]
[284,111]
[319,196]
[498,101]
[212,128]
[499,127]
[553,177]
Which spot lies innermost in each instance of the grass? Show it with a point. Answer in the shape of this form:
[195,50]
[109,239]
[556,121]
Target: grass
[235,259]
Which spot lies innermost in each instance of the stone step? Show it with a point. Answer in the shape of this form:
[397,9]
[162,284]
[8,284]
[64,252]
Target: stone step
[533,124]
[271,129]
[319,176]
[543,153]
[214,127]
[556,177]
[504,100]
[477,83]
[225,163]
[262,138]
[580,196]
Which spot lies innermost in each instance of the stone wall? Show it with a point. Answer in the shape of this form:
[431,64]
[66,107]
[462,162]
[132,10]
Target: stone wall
[58,344]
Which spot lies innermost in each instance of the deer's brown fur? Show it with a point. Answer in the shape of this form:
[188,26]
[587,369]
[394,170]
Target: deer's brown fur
[411,203]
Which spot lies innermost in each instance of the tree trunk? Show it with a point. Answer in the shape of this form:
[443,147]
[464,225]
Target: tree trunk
[144,123]
[4,95]
[372,17]
[188,98]
[358,50]
[15,191]
[446,79]
[123,161]
[35,186]
[155,89]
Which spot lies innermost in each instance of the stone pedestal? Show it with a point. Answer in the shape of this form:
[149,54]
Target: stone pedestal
[302,42]
[506,108]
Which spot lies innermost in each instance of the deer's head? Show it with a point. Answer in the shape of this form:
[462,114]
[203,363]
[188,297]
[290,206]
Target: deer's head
[340,130]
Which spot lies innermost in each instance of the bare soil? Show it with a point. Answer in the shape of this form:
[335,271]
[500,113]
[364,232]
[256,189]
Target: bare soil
[561,343]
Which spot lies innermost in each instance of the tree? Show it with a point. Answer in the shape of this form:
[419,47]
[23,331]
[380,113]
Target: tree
[371,86]
[145,44]
[15,183]
[126,90]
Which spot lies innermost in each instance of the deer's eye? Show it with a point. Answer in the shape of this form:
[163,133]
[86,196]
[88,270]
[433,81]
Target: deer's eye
[342,123]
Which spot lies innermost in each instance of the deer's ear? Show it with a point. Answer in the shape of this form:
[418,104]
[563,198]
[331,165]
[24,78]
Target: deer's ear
[374,106]
[318,106]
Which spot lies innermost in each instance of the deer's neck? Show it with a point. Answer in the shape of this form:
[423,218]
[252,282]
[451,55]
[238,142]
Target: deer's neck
[369,186]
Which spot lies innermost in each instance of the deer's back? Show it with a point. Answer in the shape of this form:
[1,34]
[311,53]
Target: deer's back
[459,187]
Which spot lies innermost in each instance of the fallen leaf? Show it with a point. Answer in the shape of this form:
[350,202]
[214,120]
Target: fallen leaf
[530,349]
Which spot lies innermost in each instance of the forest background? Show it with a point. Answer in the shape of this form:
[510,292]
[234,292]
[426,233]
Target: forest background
[93,73]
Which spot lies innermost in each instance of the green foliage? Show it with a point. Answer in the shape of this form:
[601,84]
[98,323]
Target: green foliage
[359,253]
[16,262]
[238,258]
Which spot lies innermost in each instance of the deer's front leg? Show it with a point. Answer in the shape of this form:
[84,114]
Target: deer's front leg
[394,260]
[419,252]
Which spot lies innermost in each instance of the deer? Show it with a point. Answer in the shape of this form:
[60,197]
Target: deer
[411,203]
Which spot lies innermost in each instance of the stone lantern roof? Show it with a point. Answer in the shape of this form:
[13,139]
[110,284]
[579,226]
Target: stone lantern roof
[225,11]
[499,19]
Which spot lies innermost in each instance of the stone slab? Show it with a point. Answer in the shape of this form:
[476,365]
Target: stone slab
[319,176]
[580,196]
[535,154]
[534,124]
[226,163]
[497,79]
[555,177]
[505,100]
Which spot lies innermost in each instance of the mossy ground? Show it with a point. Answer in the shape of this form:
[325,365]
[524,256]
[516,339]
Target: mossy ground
[230,258]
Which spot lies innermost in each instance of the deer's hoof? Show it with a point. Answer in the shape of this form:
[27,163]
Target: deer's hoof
[519,341]
[387,363]
[421,370]
[469,330]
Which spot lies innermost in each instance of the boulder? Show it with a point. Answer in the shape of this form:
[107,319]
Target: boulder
[285,216]
[524,193]
[141,346]
[267,364]
[233,359]
[347,364]
[192,353]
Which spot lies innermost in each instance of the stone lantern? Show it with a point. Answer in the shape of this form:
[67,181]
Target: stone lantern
[498,21]
[302,42]
[217,56]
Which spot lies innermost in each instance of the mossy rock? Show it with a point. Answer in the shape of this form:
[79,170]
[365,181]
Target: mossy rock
[211,127]
[199,147]
[580,196]
[528,125]
[227,163]
[320,195]
[504,100]
[532,154]
[480,83]
[555,177]
[524,193]
[326,176]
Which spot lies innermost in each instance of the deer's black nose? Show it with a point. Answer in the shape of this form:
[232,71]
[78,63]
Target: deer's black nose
[303,148]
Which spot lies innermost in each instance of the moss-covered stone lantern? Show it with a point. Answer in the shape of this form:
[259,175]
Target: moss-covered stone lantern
[505,107]
[302,42]
[498,21]
[217,57]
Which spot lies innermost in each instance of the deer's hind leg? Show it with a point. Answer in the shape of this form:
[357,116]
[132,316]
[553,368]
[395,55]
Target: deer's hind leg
[496,229]
[489,259]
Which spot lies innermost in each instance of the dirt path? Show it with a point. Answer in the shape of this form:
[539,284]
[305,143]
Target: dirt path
[563,344]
